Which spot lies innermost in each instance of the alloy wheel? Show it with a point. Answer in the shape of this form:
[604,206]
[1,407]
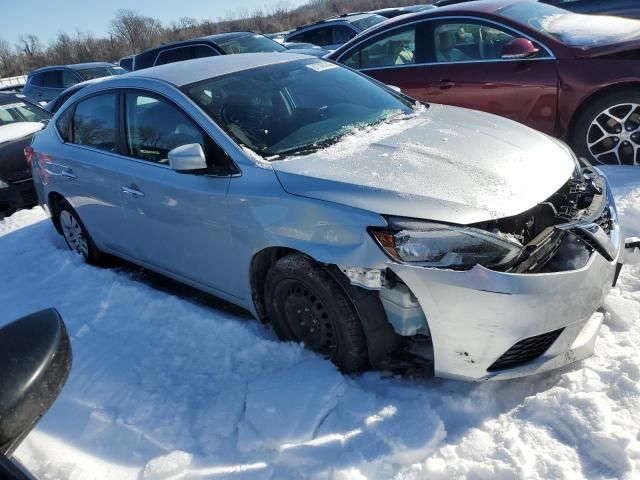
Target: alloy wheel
[614,135]
[73,234]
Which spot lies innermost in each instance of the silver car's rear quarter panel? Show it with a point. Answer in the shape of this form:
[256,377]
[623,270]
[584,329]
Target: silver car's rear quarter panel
[475,316]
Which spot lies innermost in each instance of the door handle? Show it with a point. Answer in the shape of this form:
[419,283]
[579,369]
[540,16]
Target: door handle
[68,173]
[133,191]
[446,84]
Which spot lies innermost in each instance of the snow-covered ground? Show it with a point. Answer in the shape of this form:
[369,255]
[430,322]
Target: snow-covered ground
[165,387]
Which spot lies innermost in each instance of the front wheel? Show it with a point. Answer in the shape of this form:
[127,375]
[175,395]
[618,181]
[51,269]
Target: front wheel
[76,235]
[608,130]
[306,304]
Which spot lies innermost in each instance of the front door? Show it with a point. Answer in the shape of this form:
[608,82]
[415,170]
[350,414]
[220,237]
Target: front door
[467,70]
[178,222]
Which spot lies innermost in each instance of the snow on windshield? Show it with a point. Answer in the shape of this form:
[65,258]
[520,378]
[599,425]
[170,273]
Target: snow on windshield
[590,30]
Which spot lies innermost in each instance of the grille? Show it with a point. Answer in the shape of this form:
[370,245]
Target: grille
[605,221]
[525,350]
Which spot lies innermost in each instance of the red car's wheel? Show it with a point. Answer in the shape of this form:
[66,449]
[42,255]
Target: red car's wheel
[608,131]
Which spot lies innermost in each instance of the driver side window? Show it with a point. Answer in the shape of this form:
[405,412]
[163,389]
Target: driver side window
[155,126]
[469,41]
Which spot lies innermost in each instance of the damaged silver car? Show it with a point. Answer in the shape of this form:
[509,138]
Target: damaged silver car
[378,231]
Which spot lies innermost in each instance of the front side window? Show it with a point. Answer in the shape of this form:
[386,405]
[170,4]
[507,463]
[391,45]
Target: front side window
[94,122]
[68,79]
[395,48]
[175,55]
[317,36]
[250,44]
[342,34]
[469,41]
[156,126]
[201,51]
[293,108]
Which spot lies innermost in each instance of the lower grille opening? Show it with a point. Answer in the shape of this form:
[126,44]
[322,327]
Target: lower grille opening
[525,350]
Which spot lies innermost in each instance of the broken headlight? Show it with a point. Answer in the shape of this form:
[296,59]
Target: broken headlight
[445,246]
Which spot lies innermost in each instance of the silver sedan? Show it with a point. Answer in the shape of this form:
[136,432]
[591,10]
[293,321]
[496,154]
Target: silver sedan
[378,231]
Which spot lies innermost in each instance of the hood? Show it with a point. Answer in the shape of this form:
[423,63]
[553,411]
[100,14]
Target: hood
[445,164]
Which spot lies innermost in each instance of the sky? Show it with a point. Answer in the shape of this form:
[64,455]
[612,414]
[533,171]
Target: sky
[46,18]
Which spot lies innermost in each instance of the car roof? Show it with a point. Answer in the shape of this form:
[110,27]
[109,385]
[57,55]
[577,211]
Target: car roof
[74,66]
[346,17]
[209,67]
[216,37]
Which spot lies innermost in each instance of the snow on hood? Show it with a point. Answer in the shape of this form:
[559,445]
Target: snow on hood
[591,30]
[14,131]
[446,164]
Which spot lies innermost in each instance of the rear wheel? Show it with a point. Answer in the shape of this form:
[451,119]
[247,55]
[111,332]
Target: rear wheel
[75,234]
[608,130]
[305,304]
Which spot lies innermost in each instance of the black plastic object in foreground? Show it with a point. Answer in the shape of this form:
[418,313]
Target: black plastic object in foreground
[35,359]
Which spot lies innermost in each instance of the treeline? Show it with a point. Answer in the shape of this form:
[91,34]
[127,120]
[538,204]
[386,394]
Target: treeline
[131,32]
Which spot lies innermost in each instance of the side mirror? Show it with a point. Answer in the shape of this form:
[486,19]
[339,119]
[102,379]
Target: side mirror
[187,158]
[519,48]
[35,360]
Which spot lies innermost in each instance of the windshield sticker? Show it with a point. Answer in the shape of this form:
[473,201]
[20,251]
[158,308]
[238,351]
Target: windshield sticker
[319,67]
[10,106]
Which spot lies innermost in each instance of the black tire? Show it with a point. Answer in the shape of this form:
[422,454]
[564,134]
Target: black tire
[625,145]
[305,304]
[91,254]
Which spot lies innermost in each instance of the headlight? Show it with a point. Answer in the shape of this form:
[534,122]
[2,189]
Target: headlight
[444,246]
[3,184]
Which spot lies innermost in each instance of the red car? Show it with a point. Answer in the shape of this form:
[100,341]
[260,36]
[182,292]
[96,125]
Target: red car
[576,77]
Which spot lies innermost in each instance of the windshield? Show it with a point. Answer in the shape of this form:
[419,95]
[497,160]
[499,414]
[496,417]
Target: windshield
[20,111]
[571,28]
[98,72]
[250,44]
[367,22]
[295,107]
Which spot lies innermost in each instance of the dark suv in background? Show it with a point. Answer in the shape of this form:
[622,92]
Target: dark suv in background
[45,84]
[220,44]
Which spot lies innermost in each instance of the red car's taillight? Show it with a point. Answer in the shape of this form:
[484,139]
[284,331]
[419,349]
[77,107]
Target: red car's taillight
[28,154]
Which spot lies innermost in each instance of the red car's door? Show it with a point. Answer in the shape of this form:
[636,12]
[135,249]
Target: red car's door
[467,69]
[394,58]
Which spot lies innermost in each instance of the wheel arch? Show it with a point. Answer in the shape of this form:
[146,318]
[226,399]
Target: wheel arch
[54,200]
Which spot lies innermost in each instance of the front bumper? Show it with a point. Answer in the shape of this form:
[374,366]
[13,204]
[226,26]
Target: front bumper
[478,315]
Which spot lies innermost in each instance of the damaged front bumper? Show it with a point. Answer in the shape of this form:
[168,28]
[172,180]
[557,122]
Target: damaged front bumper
[487,324]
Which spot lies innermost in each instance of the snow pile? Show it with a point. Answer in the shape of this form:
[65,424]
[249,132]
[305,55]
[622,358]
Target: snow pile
[166,387]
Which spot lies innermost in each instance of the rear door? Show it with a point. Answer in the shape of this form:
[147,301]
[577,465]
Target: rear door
[177,221]
[394,57]
[88,171]
[466,69]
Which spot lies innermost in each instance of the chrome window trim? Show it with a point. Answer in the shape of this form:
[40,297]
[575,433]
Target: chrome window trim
[155,62]
[453,17]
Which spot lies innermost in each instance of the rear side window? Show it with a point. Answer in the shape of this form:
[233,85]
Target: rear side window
[63,124]
[52,79]
[36,79]
[155,126]
[94,122]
